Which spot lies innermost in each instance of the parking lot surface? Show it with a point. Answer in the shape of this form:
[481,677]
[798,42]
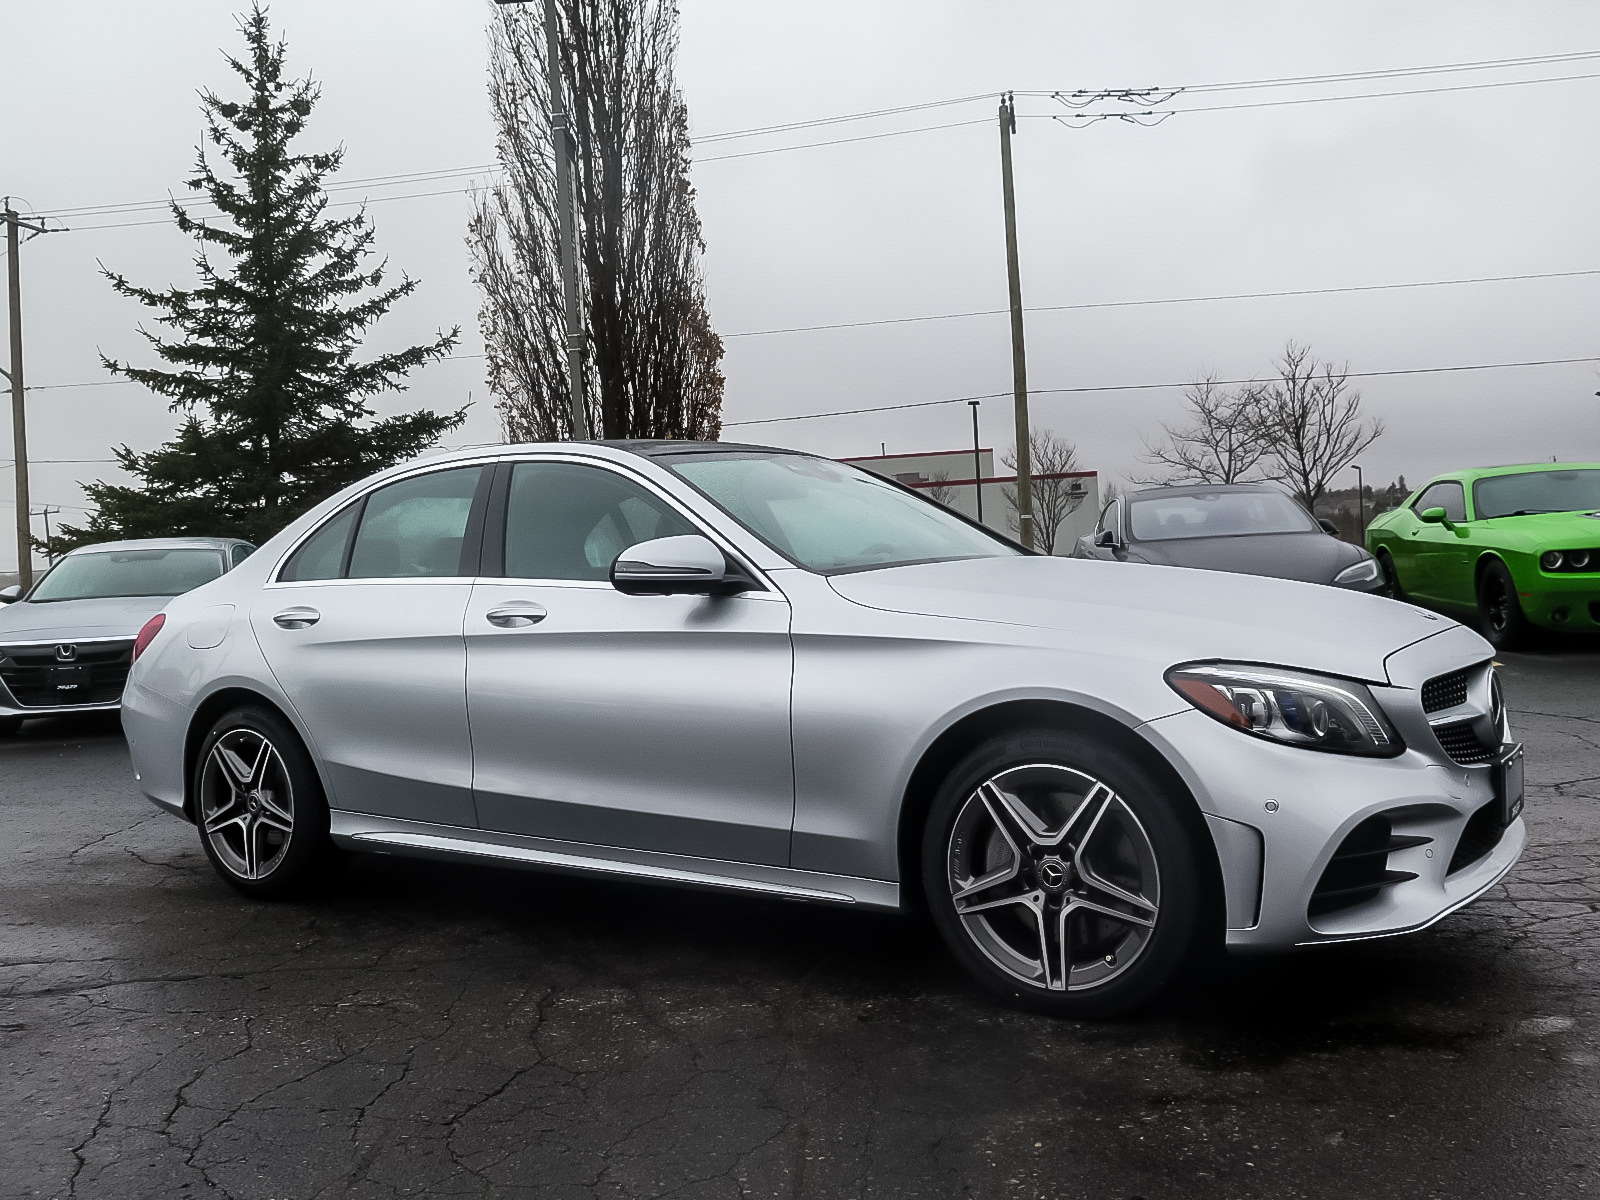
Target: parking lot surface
[440,1030]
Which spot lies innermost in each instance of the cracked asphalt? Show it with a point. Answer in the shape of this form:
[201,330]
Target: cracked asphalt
[437,1030]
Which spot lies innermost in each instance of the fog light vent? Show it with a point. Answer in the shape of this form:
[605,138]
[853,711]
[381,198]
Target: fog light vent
[1359,869]
[1481,835]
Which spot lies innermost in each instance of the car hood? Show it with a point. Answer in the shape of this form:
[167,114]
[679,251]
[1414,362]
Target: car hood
[1156,613]
[117,616]
[1310,557]
[1545,531]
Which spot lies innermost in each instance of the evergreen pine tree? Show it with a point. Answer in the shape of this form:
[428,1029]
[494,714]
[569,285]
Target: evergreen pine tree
[275,414]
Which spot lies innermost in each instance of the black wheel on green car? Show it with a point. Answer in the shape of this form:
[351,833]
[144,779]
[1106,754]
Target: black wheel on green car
[1061,874]
[1391,577]
[259,805]
[1499,610]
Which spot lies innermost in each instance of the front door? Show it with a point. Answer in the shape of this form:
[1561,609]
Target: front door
[651,722]
[363,632]
[1433,555]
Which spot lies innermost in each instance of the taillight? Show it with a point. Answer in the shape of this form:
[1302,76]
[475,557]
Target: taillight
[148,634]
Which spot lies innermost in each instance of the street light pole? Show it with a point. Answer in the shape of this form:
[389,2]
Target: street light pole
[977,458]
[566,217]
[1361,505]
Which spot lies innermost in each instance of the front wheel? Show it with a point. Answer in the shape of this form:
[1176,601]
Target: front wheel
[259,805]
[1499,610]
[1061,875]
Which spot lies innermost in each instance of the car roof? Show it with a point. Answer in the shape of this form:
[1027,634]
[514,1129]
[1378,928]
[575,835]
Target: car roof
[1468,474]
[1204,489]
[172,543]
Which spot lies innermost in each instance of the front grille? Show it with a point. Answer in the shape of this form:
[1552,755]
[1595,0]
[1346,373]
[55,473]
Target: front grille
[1359,869]
[1461,743]
[32,674]
[1446,691]
[1481,835]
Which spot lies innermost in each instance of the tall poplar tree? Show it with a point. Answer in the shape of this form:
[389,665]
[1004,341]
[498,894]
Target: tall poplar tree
[262,367]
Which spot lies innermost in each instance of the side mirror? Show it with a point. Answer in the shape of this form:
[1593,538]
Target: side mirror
[1328,526]
[687,565]
[11,594]
[1106,539]
[1435,516]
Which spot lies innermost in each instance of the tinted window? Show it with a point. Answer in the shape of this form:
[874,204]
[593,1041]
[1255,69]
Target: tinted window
[830,517]
[415,528]
[239,553]
[567,521]
[321,556]
[1449,496]
[1215,514]
[1110,518]
[99,574]
[1536,492]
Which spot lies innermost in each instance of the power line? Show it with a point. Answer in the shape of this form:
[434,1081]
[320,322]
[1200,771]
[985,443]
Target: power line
[1098,304]
[1141,387]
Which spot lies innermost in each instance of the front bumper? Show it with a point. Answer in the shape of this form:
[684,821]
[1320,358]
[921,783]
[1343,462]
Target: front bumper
[1279,814]
[1564,602]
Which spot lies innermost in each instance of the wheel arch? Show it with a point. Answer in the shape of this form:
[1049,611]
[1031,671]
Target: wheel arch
[204,716]
[971,730]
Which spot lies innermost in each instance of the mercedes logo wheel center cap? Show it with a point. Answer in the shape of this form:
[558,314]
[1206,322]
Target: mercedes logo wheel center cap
[1054,874]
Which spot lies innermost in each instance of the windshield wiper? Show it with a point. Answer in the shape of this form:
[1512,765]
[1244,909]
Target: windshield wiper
[1530,512]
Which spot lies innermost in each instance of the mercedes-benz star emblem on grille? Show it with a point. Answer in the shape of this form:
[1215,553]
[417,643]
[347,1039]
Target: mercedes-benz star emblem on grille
[66,652]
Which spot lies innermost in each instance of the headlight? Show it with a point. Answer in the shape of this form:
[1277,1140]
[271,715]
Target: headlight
[1294,708]
[1364,571]
[1551,560]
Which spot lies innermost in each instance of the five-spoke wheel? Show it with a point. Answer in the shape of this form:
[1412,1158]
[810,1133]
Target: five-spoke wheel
[1061,874]
[262,818]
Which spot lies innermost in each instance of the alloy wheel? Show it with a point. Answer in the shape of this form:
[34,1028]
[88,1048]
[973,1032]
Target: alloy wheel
[1497,606]
[1053,877]
[247,803]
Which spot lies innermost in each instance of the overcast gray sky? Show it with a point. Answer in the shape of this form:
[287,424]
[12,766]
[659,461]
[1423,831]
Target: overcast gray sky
[100,109]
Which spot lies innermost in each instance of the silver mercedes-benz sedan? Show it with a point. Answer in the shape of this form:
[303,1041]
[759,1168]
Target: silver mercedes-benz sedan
[739,667]
[66,645]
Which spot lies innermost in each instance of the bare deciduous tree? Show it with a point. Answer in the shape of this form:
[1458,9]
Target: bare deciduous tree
[1310,422]
[1054,498]
[652,367]
[1221,444]
[940,489]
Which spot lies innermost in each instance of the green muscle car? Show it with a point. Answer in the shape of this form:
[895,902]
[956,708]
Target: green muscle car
[1519,546]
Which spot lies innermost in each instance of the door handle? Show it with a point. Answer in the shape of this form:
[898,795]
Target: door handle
[297,618]
[517,614]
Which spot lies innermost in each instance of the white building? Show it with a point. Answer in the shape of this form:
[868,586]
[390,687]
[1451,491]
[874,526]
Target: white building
[961,478]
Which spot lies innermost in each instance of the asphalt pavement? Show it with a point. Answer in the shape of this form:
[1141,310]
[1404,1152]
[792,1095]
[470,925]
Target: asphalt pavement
[439,1030]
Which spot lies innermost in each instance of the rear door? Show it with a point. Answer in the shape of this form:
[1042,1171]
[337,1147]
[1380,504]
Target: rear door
[363,631]
[651,722]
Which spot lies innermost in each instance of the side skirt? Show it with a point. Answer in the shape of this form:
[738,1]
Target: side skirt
[373,834]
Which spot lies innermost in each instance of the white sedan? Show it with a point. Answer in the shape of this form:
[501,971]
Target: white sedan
[738,667]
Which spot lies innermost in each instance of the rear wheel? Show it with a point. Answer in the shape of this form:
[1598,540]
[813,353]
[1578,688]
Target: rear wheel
[1061,875]
[259,805]
[1499,610]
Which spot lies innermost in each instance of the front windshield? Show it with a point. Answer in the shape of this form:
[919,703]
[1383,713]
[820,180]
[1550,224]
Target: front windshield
[828,517]
[1537,492]
[96,575]
[1215,514]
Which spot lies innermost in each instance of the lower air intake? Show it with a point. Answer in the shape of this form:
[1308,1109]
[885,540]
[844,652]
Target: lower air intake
[1359,869]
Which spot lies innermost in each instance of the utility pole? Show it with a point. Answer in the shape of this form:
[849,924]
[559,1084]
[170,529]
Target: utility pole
[1019,357]
[19,416]
[566,216]
[977,457]
[46,513]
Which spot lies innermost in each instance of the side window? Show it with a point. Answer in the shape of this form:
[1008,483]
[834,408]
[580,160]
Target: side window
[321,556]
[568,521]
[238,554]
[415,528]
[1448,495]
[1111,518]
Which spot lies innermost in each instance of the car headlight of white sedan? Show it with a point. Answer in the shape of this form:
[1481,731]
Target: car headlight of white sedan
[1295,708]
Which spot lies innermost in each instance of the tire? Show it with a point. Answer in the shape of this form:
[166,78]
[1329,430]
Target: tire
[1499,611]
[259,806]
[9,726]
[1046,829]
[1391,577]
